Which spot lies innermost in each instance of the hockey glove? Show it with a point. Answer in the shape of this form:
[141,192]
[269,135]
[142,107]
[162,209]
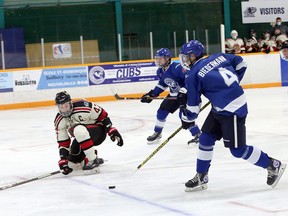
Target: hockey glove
[182,100]
[64,168]
[186,123]
[115,135]
[148,97]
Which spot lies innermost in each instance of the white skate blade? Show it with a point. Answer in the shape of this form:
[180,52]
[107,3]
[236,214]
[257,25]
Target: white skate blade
[157,141]
[281,171]
[198,188]
[96,170]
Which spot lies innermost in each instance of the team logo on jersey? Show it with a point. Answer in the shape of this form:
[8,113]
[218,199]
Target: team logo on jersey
[97,75]
[250,12]
[174,86]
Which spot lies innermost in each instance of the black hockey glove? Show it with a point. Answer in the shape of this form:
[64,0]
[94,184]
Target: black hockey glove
[182,100]
[115,135]
[186,123]
[148,97]
[64,168]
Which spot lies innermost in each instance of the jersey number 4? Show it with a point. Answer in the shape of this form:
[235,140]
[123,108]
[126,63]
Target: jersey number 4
[228,76]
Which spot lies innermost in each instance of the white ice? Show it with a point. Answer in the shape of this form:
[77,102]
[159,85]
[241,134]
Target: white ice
[236,187]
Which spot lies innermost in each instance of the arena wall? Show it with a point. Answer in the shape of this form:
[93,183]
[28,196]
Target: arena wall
[32,87]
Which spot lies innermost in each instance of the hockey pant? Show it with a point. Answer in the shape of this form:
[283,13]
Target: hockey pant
[167,106]
[86,136]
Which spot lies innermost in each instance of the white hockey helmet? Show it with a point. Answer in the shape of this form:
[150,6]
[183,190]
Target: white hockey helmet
[234,34]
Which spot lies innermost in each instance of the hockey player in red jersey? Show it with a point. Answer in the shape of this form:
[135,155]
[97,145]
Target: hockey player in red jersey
[80,126]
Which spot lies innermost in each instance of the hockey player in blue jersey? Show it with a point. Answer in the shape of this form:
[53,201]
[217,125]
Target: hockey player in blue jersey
[171,75]
[217,77]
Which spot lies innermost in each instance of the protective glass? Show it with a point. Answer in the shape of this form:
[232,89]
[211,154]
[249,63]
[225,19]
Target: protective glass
[185,61]
[65,109]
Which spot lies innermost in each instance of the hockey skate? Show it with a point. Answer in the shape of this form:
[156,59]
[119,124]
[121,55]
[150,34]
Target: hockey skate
[155,138]
[199,182]
[92,167]
[275,171]
[195,140]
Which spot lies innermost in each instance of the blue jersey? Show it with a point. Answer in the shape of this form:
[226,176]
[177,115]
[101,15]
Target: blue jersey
[217,77]
[173,78]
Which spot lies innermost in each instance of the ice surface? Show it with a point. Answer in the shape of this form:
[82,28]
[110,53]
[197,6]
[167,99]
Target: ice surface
[28,149]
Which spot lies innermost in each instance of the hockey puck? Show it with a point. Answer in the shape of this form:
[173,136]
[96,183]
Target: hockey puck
[112,187]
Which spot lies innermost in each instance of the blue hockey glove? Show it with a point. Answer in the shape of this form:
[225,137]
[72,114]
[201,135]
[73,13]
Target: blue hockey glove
[148,97]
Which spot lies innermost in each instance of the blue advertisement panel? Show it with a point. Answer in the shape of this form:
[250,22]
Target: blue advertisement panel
[6,82]
[122,73]
[63,78]
[284,70]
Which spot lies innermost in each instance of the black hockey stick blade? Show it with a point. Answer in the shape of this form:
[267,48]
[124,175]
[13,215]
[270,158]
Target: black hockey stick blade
[118,97]
[29,180]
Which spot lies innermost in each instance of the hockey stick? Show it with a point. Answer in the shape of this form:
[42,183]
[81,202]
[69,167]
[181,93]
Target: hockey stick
[29,180]
[166,141]
[138,98]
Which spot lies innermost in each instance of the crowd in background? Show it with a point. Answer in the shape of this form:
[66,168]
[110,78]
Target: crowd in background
[269,40]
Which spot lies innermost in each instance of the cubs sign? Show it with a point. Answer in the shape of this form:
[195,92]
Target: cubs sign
[264,11]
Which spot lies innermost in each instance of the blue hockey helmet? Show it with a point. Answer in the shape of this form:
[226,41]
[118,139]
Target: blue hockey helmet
[165,54]
[192,47]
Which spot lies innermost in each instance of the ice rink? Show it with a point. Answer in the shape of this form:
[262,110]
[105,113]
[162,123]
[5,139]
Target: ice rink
[28,149]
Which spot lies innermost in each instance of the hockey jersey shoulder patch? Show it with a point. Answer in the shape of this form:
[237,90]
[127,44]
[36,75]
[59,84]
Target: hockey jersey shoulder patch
[82,106]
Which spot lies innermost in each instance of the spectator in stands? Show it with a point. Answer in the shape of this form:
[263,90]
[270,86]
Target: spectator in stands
[280,39]
[278,25]
[234,45]
[266,43]
[251,45]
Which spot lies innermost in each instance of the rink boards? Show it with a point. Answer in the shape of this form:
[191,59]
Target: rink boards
[35,87]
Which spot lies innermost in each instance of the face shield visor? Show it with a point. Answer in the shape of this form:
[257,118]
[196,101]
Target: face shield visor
[65,109]
[185,61]
[161,61]
[234,35]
